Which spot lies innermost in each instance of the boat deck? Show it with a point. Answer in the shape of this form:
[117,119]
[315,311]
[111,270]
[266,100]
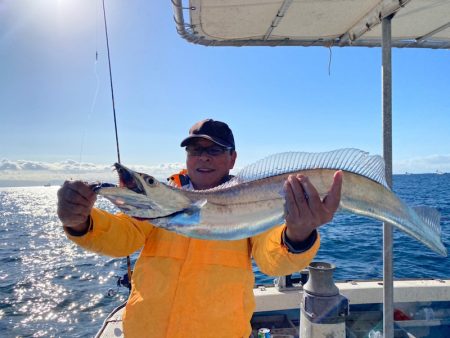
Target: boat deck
[422,309]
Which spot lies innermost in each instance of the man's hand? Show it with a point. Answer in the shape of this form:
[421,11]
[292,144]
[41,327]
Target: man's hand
[306,211]
[75,201]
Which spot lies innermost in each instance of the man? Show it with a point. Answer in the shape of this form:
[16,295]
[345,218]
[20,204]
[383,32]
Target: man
[186,287]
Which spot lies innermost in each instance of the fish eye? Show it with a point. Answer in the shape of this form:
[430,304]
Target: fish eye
[149,180]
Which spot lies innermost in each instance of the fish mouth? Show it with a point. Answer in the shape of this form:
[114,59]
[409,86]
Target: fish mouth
[127,179]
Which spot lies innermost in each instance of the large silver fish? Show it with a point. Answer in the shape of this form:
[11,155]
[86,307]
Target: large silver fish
[253,200]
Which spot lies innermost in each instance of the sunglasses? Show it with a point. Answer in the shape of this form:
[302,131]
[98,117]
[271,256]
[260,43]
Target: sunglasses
[214,150]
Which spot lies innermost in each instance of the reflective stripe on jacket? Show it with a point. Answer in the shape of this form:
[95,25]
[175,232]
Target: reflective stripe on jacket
[187,287]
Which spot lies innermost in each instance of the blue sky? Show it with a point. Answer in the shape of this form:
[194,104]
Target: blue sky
[56,104]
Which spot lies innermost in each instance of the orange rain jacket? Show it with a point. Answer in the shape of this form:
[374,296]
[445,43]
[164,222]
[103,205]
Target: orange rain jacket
[187,287]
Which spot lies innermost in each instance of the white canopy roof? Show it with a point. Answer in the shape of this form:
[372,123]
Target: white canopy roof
[417,23]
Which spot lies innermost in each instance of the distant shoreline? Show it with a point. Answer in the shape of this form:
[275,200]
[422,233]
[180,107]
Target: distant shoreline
[25,184]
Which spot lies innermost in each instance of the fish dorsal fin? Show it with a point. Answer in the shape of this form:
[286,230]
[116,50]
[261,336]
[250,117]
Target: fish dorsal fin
[430,216]
[348,159]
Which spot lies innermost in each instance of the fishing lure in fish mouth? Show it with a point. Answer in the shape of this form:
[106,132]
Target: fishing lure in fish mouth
[96,187]
[127,180]
[252,202]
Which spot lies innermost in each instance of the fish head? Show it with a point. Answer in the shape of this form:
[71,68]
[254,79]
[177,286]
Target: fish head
[138,182]
[143,196]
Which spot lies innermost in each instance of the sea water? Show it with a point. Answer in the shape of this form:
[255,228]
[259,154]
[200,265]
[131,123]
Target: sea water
[49,287]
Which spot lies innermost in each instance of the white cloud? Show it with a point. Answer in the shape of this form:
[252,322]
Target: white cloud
[7,165]
[22,173]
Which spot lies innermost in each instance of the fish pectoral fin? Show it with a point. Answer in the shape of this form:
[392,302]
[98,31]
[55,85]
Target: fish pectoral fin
[195,207]
[188,217]
[199,204]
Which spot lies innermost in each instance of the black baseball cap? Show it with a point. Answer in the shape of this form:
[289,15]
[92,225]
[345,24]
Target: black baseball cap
[215,131]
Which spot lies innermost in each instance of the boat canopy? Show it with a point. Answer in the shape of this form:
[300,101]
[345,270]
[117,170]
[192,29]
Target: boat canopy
[418,23]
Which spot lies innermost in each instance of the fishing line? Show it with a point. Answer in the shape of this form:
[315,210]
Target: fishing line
[91,111]
[94,99]
[115,119]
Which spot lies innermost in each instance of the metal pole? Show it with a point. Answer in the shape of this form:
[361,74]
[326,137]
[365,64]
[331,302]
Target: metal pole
[388,280]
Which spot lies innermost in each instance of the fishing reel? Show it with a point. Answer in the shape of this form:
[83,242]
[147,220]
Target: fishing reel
[123,281]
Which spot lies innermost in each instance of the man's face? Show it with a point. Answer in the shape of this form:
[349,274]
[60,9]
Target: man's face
[207,171]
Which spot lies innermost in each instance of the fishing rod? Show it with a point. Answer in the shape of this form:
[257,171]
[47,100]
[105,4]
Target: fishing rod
[111,83]
[115,120]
